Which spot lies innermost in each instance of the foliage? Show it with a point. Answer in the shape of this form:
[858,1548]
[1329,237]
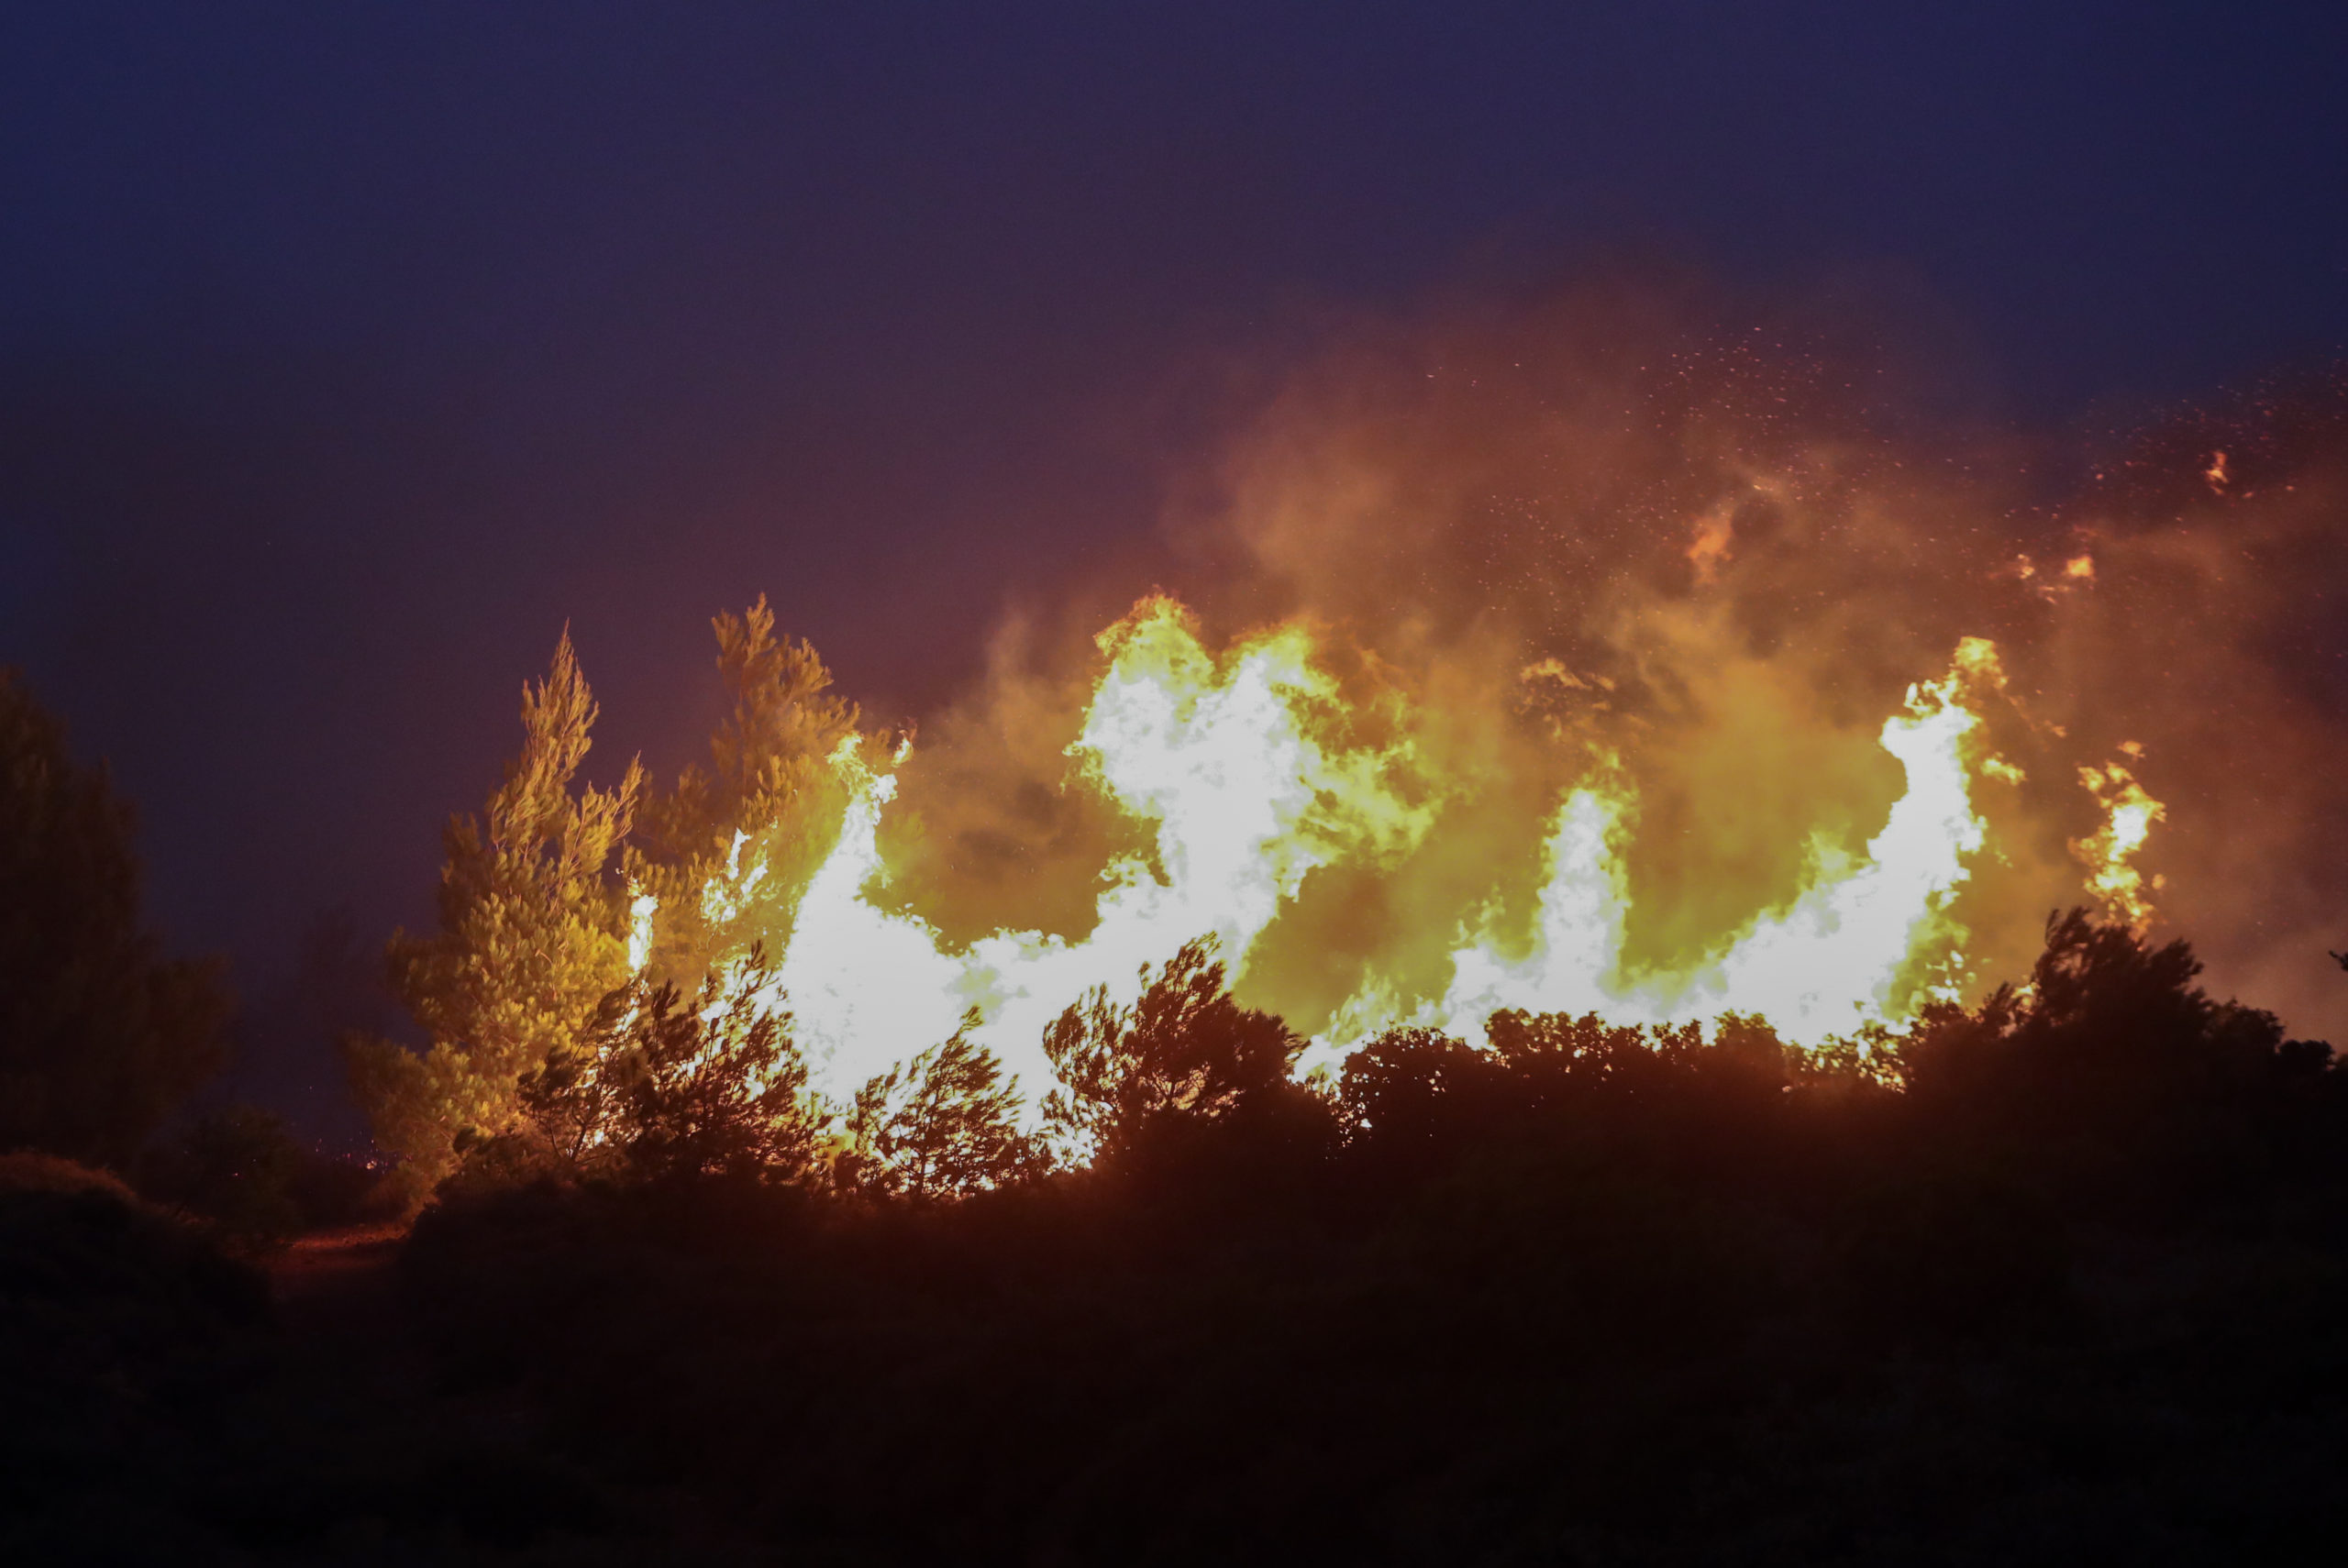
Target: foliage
[241,1173]
[100,1036]
[523,1072]
[718,1090]
[1596,1294]
[1184,1052]
[664,1091]
[531,938]
[1416,1093]
[944,1124]
[1407,1086]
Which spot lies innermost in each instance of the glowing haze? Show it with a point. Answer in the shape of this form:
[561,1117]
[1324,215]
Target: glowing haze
[1584,665]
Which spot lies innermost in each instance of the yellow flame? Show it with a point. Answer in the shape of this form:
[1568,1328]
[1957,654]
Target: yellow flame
[2129,816]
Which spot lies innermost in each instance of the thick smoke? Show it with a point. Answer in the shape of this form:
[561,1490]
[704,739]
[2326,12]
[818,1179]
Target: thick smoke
[1615,539]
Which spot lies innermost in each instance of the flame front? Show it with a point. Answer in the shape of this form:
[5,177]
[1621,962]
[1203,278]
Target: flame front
[1825,965]
[1251,770]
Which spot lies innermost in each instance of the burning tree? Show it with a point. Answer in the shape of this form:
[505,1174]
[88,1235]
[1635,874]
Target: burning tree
[1632,811]
[556,1040]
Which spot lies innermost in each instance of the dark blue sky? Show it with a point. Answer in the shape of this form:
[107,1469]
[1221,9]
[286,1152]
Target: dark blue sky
[346,351]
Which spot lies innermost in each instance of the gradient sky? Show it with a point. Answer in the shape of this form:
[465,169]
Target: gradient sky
[345,352]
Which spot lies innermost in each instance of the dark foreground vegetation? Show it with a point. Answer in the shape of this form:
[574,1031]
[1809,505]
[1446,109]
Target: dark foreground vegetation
[2061,1278]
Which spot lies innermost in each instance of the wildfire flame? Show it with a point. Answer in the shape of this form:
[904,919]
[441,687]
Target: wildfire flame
[1252,769]
[1827,965]
[2129,816]
[1526,663]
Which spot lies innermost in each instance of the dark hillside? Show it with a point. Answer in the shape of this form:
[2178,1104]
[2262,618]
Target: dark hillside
[1593,1296]
[2064,1276]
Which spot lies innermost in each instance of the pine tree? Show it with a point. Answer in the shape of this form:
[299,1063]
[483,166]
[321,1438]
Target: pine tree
[532,937]
[766,806]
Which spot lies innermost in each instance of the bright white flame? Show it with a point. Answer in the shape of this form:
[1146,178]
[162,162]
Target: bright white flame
[1245,802]
[866,988]
[1576,942]
[641,909]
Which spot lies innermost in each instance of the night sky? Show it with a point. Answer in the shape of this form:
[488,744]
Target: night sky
[347,352]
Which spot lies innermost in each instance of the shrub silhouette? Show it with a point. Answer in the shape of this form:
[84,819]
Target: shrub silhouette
[118,1328]
[2112,1068]
[28,1171]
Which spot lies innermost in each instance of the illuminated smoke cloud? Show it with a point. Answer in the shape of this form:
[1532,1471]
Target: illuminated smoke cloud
[1583,663]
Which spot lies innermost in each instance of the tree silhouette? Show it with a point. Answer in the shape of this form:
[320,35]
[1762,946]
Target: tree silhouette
[1184,1052]
[100,1036]
[1774,1296]
[717,1088]
[238,1166]
[2111,1057]
[1412,1089]
[944,1124]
